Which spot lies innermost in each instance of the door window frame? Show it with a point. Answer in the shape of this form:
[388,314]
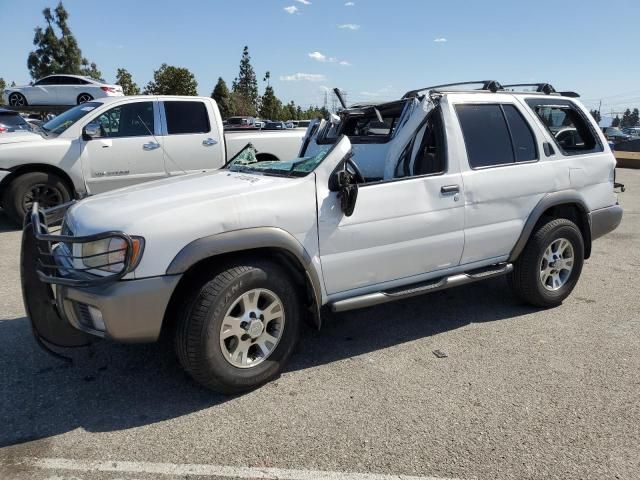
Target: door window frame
[156,119]
[504,116]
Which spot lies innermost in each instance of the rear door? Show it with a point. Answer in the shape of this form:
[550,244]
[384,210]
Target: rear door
[129,150]
[192,142]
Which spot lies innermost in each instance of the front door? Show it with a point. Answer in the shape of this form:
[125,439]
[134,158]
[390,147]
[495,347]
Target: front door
[400,228]
[128,151]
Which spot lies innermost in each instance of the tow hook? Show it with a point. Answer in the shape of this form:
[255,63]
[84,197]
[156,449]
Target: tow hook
[620,186]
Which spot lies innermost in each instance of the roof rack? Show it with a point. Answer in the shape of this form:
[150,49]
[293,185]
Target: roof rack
[495,86]
[490,85]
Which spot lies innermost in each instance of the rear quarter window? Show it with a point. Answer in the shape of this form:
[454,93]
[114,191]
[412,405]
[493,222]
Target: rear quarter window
[186,117]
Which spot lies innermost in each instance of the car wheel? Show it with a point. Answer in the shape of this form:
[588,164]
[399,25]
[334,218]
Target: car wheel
[239,328]
[47,189]
[549,267]
[83,98]
[17,100]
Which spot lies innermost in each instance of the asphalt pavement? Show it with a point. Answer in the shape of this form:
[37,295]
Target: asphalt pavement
[518,392]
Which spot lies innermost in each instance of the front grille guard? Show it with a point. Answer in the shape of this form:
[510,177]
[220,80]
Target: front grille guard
[59,267]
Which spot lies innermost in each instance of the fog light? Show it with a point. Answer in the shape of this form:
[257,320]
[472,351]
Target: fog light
[96,318]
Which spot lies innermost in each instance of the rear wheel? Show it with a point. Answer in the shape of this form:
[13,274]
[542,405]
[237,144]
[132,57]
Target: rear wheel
[83,98]
[17,100]
[550,265]
[240,327]
[47,189]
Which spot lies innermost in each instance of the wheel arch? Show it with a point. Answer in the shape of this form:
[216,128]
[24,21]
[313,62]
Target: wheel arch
[37,167]
[565,204]
[208,253]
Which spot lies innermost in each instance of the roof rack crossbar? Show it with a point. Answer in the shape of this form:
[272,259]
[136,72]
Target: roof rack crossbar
[546,88]
[492,85]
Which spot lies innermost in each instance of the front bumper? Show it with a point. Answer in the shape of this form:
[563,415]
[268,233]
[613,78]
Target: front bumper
[605,220]
[131,310]
[62,302]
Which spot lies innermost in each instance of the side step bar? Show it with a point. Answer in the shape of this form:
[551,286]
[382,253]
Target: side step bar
[435,285]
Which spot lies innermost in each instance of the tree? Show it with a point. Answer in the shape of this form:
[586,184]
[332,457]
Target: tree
[270,106]
[615,122]
[634,118]
[596,115]
[58,54]
[626,118]
[3,85]
[245,86]
[170,80]
[124,79]
[222,96]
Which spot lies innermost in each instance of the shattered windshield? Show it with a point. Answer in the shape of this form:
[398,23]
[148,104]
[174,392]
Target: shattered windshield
[247,161]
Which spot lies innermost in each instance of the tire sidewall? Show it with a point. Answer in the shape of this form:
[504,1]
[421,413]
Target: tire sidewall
[21,185]
[267,277]
[572,234]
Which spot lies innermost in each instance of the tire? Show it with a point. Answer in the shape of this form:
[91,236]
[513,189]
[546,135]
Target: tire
[17,100]
[217,304]
[83,98]
[548,250]
[46,188]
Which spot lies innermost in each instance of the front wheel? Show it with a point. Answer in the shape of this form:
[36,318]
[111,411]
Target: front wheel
[550,265]
[47,189]
[17,100]
[240,327]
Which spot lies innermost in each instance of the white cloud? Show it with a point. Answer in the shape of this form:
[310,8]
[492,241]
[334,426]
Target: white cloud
[440,40]
[344,63]
[309,77]
[291,9]
[349,4]
[304,2]
[321,57]
[349,26]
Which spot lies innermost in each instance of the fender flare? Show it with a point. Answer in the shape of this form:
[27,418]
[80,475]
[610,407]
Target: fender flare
[563,197]
[249,239]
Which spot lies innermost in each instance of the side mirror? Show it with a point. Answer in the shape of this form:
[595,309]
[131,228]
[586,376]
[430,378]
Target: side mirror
[344,182]
[91,131]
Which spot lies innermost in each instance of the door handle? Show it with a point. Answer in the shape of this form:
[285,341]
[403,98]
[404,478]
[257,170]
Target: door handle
[151,146]
[209,142]
[448,189]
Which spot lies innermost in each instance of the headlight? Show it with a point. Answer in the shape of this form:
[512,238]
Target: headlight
[109,254]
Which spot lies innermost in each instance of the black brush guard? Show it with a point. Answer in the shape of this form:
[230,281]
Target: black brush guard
[40,269]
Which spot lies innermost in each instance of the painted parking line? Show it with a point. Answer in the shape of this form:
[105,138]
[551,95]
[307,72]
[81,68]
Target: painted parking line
[204,470]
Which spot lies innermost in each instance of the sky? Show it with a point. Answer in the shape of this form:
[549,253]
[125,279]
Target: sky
[373,49]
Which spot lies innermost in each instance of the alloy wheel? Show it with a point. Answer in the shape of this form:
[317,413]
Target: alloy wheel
[252,328]
[556,264]
[17,100]
[46,196]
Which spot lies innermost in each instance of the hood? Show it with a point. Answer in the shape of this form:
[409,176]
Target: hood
[186,199]
[19,137]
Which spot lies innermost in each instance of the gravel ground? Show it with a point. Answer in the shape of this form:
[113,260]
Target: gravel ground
[522,393]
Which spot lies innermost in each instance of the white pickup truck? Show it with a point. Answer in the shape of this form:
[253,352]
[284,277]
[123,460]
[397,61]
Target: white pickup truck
[116,142]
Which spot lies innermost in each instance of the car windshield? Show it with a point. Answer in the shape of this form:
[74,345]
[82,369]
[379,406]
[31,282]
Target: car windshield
[247,161]
[63,121]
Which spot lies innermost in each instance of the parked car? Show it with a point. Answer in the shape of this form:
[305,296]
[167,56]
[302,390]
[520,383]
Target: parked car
[119,141]
[633,131]
[34,123]
[469,186]
[61,90]
[303,123]
[274,126]
[11,121]
[240,123]
[615,134]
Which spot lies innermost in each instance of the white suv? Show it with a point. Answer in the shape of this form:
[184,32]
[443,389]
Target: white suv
[385,202]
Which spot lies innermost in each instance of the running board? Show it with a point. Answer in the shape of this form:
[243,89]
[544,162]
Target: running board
[435,285]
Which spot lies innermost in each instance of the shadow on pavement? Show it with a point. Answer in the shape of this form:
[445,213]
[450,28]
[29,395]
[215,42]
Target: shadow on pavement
[113,386]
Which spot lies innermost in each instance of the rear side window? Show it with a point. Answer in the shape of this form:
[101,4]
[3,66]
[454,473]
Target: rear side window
[495,135]
[572,132]
[186,117]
